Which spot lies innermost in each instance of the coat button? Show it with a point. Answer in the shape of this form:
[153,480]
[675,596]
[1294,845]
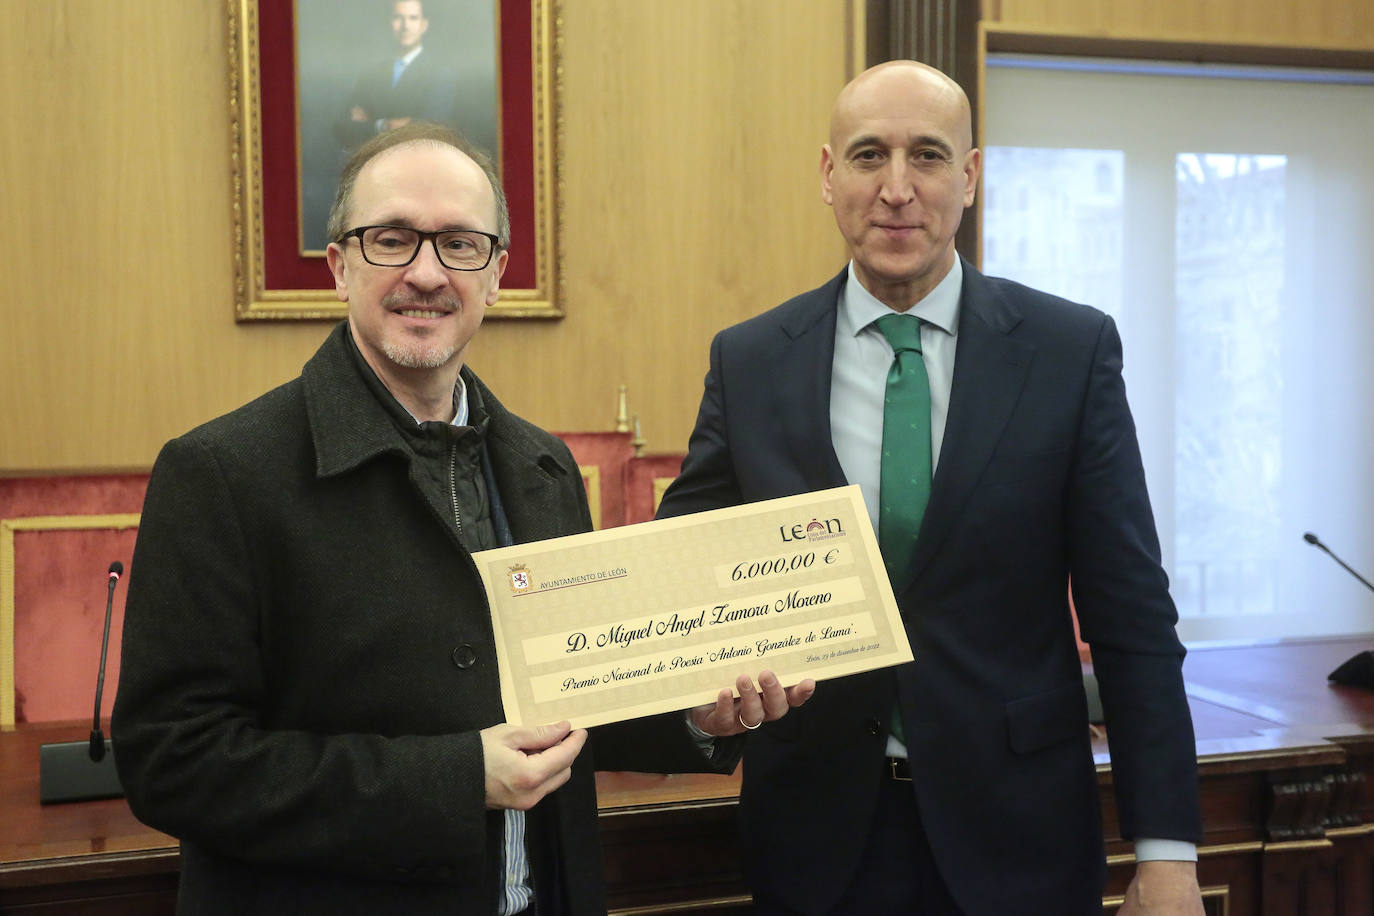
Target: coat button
[874,727]
[464,656]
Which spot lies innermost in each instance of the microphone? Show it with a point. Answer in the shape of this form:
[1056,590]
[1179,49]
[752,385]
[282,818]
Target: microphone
[84,770]
[1315,541]
[1358,670]
[97,749]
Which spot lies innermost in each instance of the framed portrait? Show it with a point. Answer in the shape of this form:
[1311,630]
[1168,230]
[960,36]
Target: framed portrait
[309,80]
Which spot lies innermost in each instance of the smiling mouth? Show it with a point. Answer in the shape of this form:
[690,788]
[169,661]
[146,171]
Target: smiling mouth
[421,313]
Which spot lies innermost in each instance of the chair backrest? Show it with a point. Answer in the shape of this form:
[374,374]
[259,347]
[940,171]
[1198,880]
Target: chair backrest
[602,457]
[53,584]
[646,477]
[58,536]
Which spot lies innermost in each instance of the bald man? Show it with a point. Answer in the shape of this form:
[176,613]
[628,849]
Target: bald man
[963,782]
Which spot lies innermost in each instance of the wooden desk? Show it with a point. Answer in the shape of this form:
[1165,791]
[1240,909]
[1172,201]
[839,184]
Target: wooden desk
[91,856]
[1286,764]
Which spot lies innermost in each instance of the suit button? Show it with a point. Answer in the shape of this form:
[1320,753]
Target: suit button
[464,656]
[875,727]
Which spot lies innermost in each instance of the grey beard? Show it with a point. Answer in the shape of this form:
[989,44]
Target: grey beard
[417,355]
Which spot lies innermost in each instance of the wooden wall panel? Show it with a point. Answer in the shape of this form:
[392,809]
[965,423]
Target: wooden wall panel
[1345,24]
[116,323]
[691,200]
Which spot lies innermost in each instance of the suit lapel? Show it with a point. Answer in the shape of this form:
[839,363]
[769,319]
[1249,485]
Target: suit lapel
[802,384]
[989,371]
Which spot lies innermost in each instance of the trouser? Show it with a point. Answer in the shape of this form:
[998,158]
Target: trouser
[897,873]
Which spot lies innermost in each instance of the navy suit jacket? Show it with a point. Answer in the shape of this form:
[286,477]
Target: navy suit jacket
[427,90]
[1039,482]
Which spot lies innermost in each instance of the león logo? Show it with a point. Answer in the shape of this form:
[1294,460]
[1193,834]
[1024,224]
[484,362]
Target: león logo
[519,578]
[814,530]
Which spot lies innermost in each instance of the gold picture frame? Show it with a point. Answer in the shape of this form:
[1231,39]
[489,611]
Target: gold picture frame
[274,278]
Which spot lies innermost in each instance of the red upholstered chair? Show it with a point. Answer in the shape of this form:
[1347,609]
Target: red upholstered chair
[646,477]
[602,458]
[58,536]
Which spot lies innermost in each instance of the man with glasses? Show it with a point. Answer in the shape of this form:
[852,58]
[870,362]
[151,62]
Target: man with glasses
[309,695]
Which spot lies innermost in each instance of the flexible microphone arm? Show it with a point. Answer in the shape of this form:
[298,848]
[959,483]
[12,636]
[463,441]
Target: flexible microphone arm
[97,736]
[1315,541]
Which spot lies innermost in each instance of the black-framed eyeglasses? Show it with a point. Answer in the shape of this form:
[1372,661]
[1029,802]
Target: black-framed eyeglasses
[397,246]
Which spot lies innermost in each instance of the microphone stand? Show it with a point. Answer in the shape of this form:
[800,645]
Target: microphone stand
[1315,541]
[84,770]
[1358,670]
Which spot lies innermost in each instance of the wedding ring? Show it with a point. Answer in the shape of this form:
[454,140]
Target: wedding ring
[746,724]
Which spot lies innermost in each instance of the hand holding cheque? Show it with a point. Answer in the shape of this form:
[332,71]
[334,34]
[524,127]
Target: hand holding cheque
[730,716]
[525,763]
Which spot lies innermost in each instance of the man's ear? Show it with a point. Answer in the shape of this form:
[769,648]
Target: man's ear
[827,167]
[333,255]
[972,164]
[494,290]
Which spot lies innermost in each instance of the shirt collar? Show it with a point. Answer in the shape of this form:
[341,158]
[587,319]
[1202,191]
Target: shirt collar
[859,308]
[460,403]
[408,59]
[460,390]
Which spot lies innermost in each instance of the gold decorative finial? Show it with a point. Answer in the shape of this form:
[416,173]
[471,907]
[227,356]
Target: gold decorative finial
[622,412]
[638,441]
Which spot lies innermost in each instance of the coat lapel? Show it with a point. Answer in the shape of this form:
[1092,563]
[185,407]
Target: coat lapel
[990,369]
[347,424]
[802,384]
[530,475]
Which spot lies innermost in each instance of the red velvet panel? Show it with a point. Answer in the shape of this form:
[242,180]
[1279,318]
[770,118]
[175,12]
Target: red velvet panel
[640,475]
[59,591]
[103,494]
[610,452]
[59,617]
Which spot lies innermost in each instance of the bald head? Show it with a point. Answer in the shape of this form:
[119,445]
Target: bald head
[898,171]
[911,82]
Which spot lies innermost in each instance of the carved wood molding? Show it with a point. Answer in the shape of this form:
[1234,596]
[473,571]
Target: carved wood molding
[1305,804]
[943,34]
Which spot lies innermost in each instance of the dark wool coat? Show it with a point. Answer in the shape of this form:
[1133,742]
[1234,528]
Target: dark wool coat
[308,658]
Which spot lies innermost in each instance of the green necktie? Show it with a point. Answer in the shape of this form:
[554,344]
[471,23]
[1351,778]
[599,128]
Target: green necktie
[904,475]
[904,478]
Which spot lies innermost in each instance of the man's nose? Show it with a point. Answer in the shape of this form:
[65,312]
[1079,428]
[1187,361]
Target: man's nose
[426,271]
[897,186]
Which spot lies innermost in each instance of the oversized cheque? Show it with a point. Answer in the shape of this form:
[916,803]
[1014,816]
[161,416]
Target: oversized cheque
[659,616]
